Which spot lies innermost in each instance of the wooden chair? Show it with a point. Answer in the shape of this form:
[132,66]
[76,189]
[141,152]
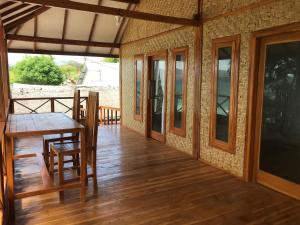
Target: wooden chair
[47,139]
[73,148]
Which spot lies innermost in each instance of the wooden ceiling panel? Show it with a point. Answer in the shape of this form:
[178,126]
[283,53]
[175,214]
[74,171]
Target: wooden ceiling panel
[21,45]
[115,4]
[78,25]
[72,48]
[98,49]
[52,47]
[27,28]
[106,28]
[51,28]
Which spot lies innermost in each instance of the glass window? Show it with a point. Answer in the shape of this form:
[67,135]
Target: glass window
[138,88]
[224,93]
[178,101]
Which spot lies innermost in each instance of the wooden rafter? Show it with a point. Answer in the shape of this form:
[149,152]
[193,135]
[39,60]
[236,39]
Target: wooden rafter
[121,28]
[64,28]
[15,32]
[114,11]
[24,19]
[93,27]
[14,9]
[24,12]
[35,31]
[47,52]
[60,41]
[6,4]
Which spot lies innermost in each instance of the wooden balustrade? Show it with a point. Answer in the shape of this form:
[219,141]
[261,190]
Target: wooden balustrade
[43,104]
[3,184]
[109,115]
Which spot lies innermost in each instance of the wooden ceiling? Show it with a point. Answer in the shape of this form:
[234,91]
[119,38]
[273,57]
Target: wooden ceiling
[78,27]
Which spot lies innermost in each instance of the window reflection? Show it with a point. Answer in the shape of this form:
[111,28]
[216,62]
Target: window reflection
[178,90]
[280,142]
[223,93]
[139,68]
[158,106]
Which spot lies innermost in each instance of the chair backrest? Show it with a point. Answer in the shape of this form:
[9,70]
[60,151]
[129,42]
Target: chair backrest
[91,123]
[76,105]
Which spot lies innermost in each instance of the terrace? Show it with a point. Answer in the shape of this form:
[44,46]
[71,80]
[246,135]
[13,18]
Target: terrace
[198,138]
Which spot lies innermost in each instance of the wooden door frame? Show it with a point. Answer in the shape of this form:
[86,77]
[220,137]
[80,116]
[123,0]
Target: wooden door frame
[251,151]
[163,54]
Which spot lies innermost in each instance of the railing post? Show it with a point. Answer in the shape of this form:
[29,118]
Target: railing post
[12,106]
[112,116]
[107,116]
[52,105]
[116,114]
[100,115]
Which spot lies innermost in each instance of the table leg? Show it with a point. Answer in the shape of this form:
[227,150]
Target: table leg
[10,178]
[82,165]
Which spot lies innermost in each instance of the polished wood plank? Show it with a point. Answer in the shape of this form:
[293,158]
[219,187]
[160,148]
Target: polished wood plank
[142,181]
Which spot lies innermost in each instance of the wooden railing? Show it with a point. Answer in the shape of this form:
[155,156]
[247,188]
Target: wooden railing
[44,104]
[109,115]
[3,185]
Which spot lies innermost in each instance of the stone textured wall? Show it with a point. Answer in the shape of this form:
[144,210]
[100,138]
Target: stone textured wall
[216,7]
[179,38]
[277,12]
[274,14]
[140,29]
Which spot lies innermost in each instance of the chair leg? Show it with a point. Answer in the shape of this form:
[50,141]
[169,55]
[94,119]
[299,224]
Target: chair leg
[78,164]
[51,167]
[61,174]
[46,152]
[94,170]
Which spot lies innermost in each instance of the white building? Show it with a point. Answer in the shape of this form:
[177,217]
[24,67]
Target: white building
[98,73]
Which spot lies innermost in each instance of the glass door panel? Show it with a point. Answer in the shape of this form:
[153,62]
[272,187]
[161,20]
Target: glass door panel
[278,107]
[157,100]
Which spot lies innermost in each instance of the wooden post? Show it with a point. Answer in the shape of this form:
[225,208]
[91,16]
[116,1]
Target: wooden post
[107,116]
[12,106]
[52,105]
[112,116]
[101,116]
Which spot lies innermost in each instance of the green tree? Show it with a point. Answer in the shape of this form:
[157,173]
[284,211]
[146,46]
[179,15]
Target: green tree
[111,60]
[71,72]
[40,70]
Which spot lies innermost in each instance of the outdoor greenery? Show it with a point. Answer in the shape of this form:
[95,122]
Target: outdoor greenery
[42,70]
[71,72]
[111,60]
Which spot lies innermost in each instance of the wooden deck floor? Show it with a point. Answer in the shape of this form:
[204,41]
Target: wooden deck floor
[144,182]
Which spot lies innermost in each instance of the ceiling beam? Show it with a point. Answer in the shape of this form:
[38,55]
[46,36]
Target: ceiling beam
[24,12]
[93,27]
[6,4]
[60,41]
[9,27]
[128,1]
[66,4]
[47,52]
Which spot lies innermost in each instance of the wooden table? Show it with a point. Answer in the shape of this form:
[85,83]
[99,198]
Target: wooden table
[26,125]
